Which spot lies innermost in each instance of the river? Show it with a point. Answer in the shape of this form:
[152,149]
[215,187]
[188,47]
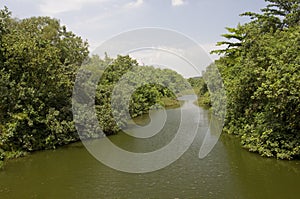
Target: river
[228,171]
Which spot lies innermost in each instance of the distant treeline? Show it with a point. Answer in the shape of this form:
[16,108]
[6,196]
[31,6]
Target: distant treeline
[124,85]
[260,69]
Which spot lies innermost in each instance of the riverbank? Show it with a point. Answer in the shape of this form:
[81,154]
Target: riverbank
[227,172]
[168,103]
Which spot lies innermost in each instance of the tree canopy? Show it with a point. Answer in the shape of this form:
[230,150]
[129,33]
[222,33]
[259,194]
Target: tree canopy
[39,60]
[261,75]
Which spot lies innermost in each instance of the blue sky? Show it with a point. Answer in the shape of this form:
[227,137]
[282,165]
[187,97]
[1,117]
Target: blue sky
[98,20]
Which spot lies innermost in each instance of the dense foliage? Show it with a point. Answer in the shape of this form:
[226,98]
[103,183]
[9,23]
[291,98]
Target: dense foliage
[39,58]
[211,91]
[39,62]
[261,72]
[260,68]
[200,88]
[124,85]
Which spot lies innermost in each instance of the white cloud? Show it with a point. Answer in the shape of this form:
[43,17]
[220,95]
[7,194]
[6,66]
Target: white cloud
[208,47]
[134,4]
[189,61]
[178,2]
[56,7]
[164,58]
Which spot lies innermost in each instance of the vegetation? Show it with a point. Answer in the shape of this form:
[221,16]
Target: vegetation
[201,90]
[123,84]
[261,73]
[39,61]
[211,91]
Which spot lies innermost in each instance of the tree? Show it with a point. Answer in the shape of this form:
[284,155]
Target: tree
[150,85]
[260,73]
[39,62]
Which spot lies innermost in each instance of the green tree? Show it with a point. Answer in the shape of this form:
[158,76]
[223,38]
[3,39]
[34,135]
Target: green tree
[260,73]
[151,85]
[39,62]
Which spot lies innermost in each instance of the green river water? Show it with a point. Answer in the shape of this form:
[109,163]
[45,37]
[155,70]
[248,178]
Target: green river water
[227,172]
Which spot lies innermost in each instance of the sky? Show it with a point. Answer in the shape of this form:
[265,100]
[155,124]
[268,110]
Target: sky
[98,20]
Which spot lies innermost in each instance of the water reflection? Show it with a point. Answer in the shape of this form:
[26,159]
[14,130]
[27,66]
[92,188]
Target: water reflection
[227,172]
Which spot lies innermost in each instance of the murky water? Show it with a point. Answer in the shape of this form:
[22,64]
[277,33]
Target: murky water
[227,172]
